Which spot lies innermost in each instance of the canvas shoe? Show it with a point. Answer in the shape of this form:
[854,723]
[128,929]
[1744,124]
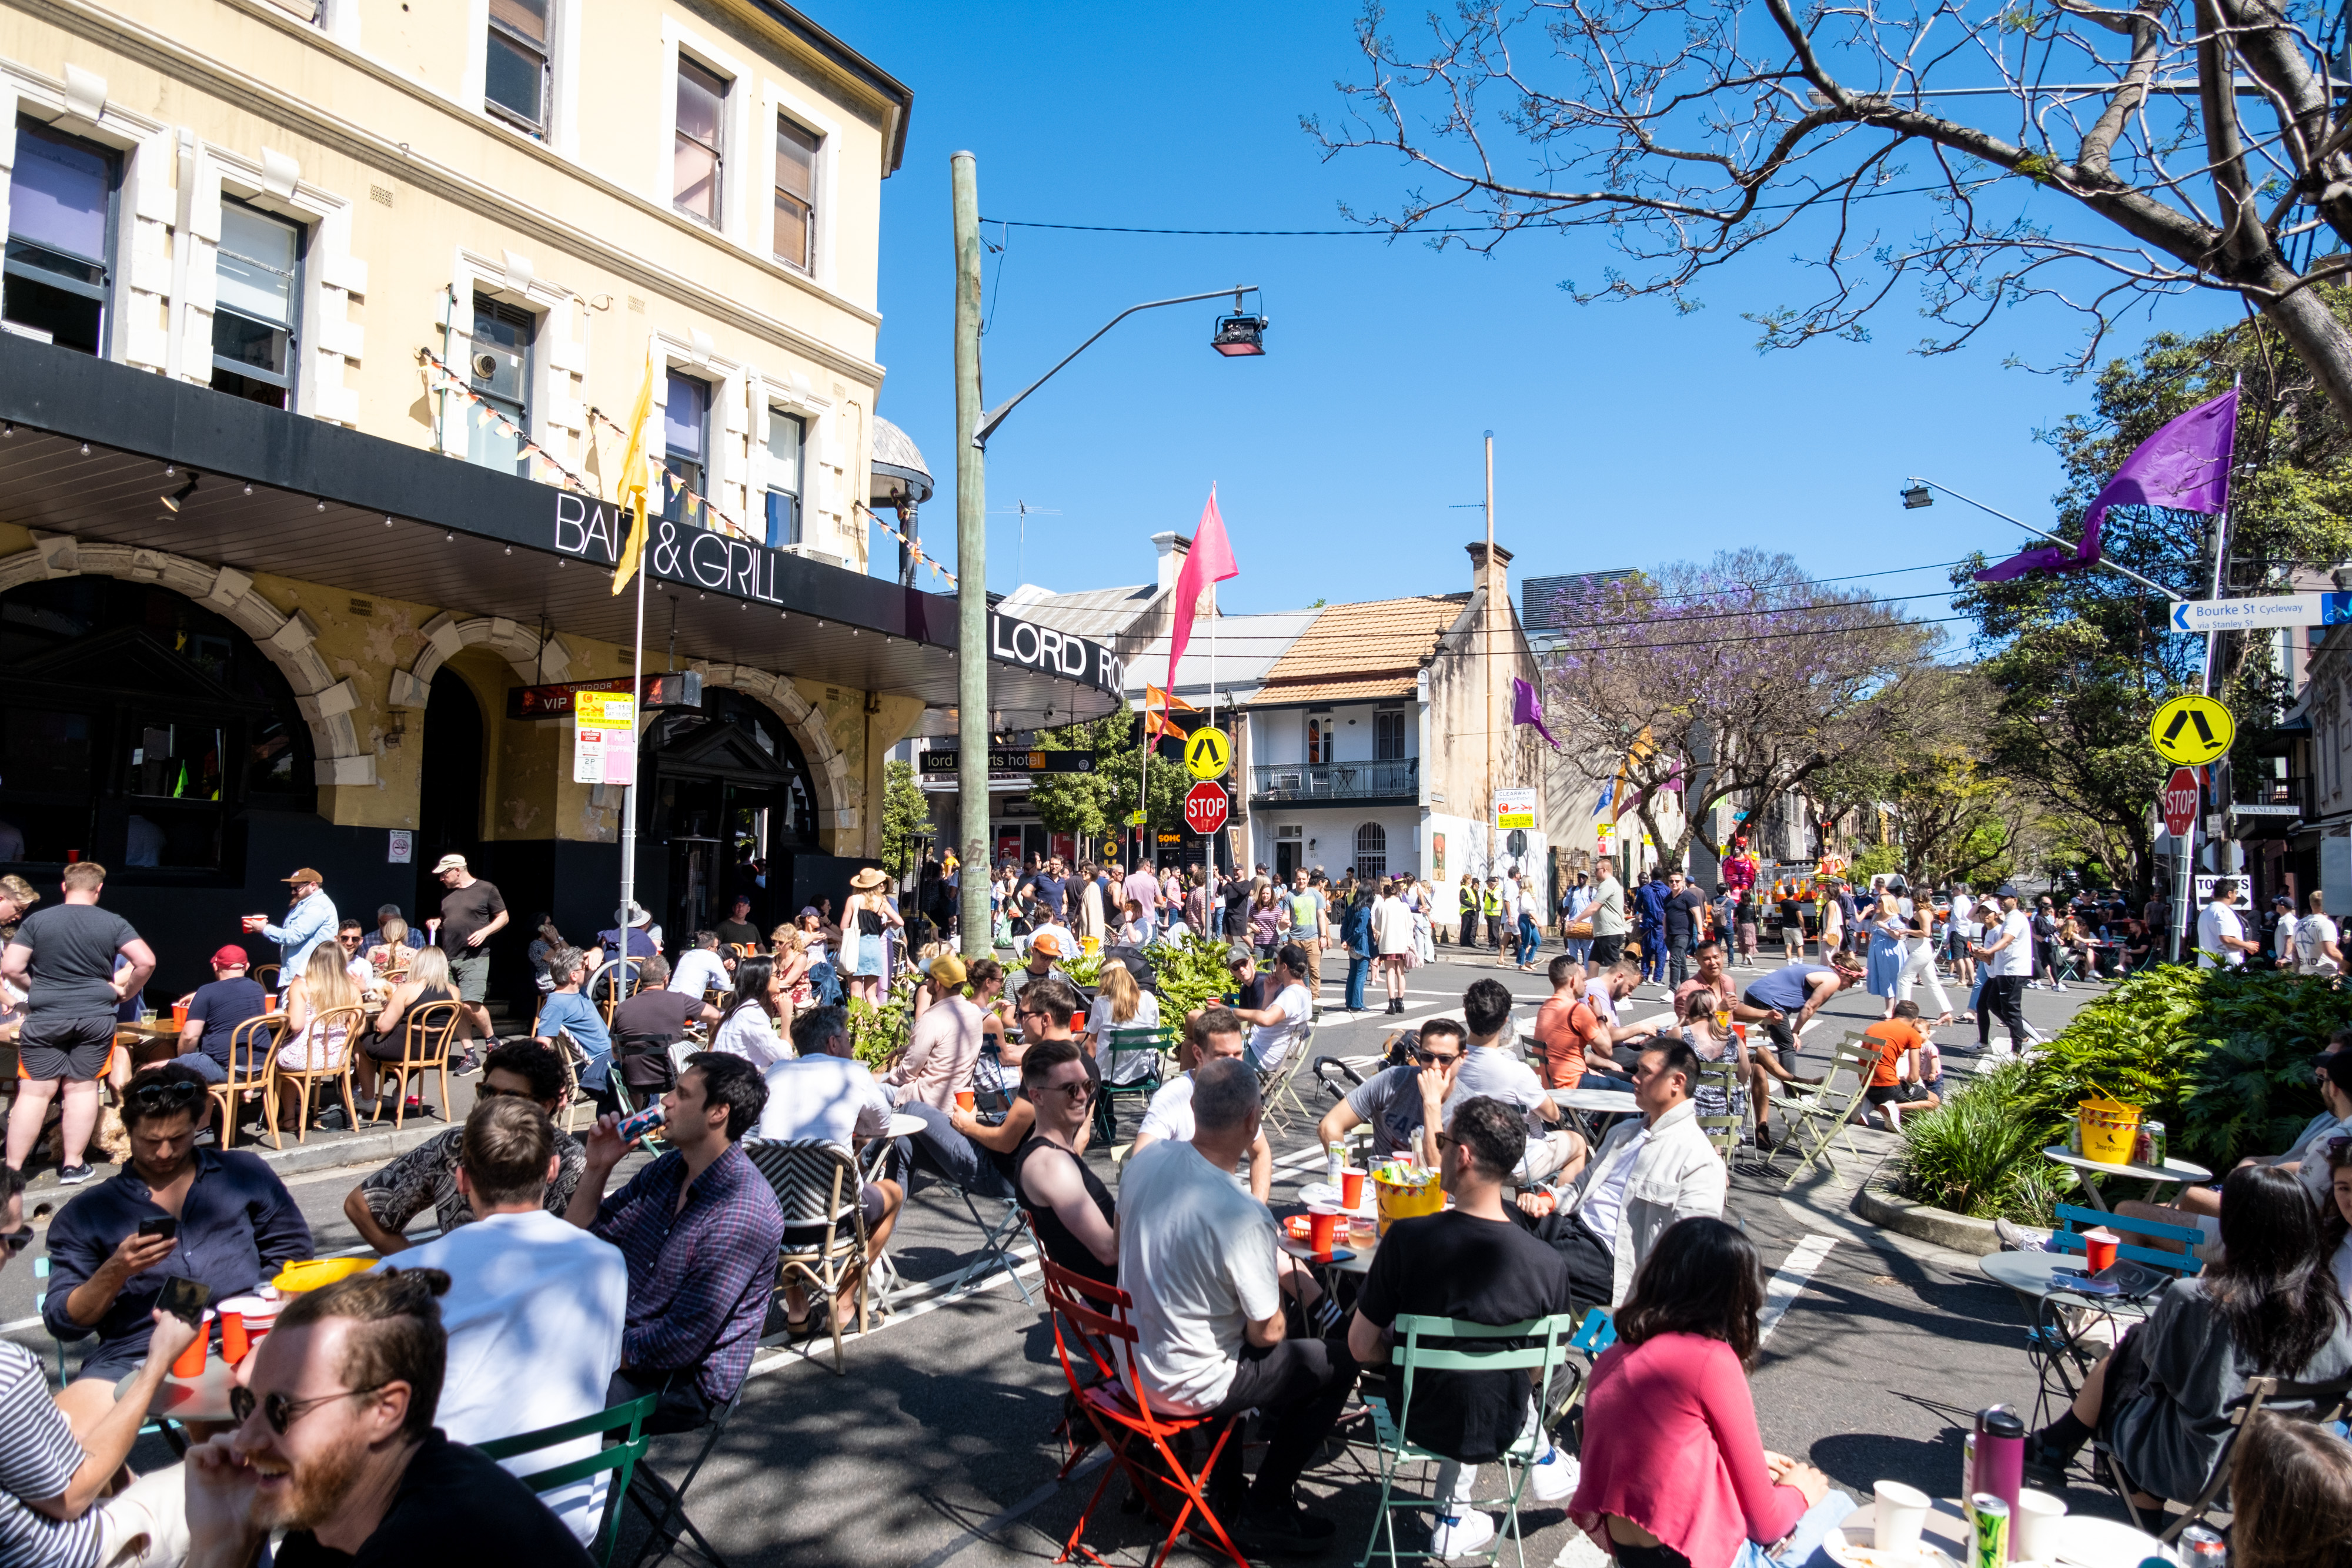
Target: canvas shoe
[1553,1477]
[1460,1534]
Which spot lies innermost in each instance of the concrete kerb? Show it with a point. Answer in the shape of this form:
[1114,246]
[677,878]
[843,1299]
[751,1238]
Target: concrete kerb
[368,1148]
[1958,1232]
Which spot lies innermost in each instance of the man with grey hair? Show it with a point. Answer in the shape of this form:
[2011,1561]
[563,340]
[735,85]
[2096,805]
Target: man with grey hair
[1198,1255]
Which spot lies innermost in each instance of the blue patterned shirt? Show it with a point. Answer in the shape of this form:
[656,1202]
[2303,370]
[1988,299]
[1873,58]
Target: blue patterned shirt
[699,1278]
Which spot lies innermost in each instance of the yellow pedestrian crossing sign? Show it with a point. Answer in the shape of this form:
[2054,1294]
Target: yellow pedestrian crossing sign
[1208,752]
[2191,731]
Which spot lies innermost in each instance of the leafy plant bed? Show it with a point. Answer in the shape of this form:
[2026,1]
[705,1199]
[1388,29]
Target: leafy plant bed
[1979,1153]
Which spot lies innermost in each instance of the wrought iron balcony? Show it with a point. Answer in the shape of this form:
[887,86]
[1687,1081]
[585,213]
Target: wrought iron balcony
[1397,778]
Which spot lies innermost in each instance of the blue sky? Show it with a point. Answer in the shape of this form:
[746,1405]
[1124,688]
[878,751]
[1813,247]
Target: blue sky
[1625,434]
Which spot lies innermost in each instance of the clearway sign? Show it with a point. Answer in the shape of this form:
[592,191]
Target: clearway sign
[2267,611]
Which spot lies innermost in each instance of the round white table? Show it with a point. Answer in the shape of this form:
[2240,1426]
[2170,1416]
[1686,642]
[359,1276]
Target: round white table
[2083,1541]
[1587,1103]
[2171,1172]
[204,1398]
[2031,1275]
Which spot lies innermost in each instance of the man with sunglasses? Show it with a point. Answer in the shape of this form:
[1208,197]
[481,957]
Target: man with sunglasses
[231,1224]
[1406,1106]
[335,1445]
[1076,1218]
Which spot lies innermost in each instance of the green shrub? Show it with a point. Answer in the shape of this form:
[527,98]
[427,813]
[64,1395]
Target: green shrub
[877,1035]
[1980,1152]
[1187,973]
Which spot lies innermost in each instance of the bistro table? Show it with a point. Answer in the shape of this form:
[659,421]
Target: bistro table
[201,1398]
[2083,1541]
[149,1042]
[1591,1103]
[2059,1343]
[884,1278]
[2171,1172]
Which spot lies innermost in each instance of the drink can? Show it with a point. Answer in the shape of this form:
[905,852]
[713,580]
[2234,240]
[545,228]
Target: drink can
[1991,1548]
[2159,1146]
[1335,1160]
[2201,1548]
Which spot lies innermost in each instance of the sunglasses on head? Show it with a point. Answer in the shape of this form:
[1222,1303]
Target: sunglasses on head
[282,1412]
[175,1096]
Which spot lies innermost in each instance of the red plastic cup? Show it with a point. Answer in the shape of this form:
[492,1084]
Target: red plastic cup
[179,1015]
[2099,1249]
[1320,1223]
[1352,1188]
[234,1345]
[191,1363]
[965,1100]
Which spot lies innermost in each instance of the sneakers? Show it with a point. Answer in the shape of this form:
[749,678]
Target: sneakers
[1460,1534]
[2016,1238]
[74,1175]
[1553,1477]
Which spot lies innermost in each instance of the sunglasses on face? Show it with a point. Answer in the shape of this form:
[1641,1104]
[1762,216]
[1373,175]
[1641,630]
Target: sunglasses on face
[349,941]
[1083,1088]
[161,1097]
[1430,1058]
[282,1412]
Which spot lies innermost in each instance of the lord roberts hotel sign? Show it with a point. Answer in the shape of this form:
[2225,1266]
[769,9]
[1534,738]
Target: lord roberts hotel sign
[591,530]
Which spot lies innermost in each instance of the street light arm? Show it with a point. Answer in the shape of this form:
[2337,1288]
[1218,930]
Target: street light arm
[988,422]
[2044,533]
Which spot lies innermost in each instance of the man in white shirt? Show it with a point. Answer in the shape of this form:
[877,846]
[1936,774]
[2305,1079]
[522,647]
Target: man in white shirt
[1141,888]
[2222,941]
[1282,1023]
[535,1306]
[2008,955]
[1198,1255]
[1216,1036]
[2315,952]
[2283,931]
[700,969]
[1490,1070]
[824,1092]
[1961,935]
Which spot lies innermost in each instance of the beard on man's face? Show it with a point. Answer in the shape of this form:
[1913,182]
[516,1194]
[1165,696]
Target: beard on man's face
[315,1487]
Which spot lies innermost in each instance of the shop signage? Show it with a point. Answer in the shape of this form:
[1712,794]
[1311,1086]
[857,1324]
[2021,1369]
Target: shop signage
[1011,762]
[592,529]
[400,847]
[671,688]
[605,750]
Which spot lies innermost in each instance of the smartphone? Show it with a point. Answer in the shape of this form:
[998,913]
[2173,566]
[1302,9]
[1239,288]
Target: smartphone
[161,1224]
[637,1125]
[184,1299]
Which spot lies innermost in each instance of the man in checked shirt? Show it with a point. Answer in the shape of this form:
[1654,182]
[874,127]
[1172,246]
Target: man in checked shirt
[701,1232]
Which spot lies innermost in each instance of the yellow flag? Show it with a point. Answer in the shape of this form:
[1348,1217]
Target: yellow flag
[634,479]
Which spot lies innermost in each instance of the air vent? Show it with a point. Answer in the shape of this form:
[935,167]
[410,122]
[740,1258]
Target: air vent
[362,607]
[380,195]
[636,305]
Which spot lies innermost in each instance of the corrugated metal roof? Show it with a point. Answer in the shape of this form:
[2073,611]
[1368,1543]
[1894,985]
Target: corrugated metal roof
[1102,614]
[1373,649]
[1247,647]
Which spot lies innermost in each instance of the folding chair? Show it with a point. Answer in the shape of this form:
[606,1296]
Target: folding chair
[1824,1118]
[621,1459]
[1122,1050]
[2323,1402]
[252,1042]
[1275,1091]
[2095,1218]
[424,1037]
[817,1185]
[1478,1351]
[1722,1128]
[995,1246]
[672,1528]
[1595,1331]
[1097,1318]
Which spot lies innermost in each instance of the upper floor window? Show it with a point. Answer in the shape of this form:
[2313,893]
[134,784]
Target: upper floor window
[253,319]
[1315,742]
[786,435]
[701,112]
[61,201]
[686,439]
[515,80]
[1388,735]
[796,195]
[500,373]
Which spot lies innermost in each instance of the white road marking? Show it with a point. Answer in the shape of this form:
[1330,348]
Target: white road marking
[1789,1283]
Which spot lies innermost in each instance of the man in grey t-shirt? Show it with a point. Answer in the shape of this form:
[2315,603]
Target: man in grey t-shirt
[63,958]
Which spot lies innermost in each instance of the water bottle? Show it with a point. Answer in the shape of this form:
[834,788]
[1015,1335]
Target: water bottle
[2000,1470]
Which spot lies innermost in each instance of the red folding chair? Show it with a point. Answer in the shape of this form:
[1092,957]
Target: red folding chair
[1097,1321]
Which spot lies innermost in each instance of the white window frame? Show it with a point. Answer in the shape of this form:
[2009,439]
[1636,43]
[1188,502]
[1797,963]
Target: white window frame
[552,355]
[780,99]
[326,340]
[734,128]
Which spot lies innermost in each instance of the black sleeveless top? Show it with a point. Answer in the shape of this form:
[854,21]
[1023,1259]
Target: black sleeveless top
[1061,1247]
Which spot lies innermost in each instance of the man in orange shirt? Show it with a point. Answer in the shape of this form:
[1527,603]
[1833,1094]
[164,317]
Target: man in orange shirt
[1573,1036]
[1895,1039]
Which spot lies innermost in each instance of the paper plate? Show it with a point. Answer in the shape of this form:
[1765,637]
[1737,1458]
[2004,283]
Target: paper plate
[1855,1551]
[2085,1542]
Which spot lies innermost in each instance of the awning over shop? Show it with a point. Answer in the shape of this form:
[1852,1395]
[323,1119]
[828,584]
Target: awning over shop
[87,444]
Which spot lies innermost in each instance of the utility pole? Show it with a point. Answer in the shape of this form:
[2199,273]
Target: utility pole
[1486,626]
[972,574]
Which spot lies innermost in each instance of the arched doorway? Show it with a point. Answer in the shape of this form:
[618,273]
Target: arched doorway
[449,804]
[731,802]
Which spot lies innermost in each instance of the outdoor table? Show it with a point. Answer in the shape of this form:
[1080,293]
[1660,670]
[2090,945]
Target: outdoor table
[204,1398]
[2060,1321]
[2084,1541]
[2172,1172]
[149,1042]
[878,1150]
[1593,1102]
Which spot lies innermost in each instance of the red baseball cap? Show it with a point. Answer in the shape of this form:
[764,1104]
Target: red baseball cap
[232,954]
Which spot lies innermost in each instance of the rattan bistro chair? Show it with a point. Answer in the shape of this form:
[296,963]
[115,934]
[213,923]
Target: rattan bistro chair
[425,1039]
[252,1051]
[351,1022]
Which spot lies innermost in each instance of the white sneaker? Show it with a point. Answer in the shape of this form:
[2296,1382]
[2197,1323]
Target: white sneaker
[1460,1534]
[1554,1477]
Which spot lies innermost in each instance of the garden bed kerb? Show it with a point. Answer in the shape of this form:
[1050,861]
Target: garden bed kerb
[1959,1232]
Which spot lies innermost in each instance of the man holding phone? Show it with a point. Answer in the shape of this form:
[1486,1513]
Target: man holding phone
[215,1217]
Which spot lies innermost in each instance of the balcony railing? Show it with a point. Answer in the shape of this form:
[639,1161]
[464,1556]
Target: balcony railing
[1398,777]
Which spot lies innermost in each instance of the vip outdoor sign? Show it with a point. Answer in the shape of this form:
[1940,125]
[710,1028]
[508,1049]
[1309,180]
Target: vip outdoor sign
[591,530]
[668,689]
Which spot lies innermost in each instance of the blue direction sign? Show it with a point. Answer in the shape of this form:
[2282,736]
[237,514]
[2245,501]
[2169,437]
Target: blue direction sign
[2260,613]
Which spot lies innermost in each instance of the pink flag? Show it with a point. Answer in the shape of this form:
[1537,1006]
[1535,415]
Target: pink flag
[1210,561]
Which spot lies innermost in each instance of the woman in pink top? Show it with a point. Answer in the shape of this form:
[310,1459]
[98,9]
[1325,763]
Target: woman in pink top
[1681,1479]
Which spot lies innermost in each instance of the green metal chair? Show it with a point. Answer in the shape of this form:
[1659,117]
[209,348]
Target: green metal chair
[620,1458]
[1409,1357]
[1123,1050]
[1722,1128]
[1826,1116]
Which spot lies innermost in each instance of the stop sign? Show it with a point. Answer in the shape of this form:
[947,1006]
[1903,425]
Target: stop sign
[1204,809]
[2179,802]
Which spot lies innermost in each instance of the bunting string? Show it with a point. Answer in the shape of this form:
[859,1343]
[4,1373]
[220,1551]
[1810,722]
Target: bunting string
[484,411]
[672,486]
[913,549]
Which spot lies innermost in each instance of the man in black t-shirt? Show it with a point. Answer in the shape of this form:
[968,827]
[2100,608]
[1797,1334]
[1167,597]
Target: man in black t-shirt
[1684,903]
[1473,1264]
[736,928]
[63,958]
[646,1025]
[335,1444]
[471,915]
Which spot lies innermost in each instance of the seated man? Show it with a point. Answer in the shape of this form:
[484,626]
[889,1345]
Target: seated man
[701,1232]
[1561,1046]
[231,1223]
[737,928]
[1198,1256]
[1490,1070]
[647,1026]
[1283,1023]
[699,969]
[823,1093]
[945,1041]
[1066,1200]
[1409,1107]
[563,1011]
[1216,1035]
[970,1153]
[213,1012]
[1650,1170]
[1469,1263]
[386,1199]
[1602,992]
[336,1447]
[1044,962]
[1788,997]
[535,1306]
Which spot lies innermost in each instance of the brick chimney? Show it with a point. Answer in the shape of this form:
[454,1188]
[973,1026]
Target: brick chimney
[1173,547]
[1494,576]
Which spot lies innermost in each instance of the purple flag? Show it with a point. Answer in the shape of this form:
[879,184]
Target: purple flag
[2185,466]
[1528,708]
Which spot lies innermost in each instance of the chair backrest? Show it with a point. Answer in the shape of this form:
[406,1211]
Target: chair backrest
[1097,1315]
[1477,1347]
[253,1042]
[816,1182]
[1596,1332]
[1125,1046]
[265,975]
[427,1031]
[1722,1128]
[621,1459]
[2081,1219]
[337,1034]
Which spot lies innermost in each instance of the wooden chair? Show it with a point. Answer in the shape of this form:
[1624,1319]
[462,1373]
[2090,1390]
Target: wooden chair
[350,1021]
[818,1188]
[266,977]
[255,1043]
[425,1037]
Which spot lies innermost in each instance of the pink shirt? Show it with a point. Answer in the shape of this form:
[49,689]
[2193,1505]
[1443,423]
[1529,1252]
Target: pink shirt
[1682,1458]
[940,1053]
[1143,889]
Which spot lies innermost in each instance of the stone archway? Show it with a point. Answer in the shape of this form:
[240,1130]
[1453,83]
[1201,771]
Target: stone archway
[837,811]
[533,660]
[287,641]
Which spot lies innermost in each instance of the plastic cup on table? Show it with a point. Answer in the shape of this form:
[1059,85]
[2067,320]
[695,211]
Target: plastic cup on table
[2099,1249]
[2035,1527]
[270,1004]
[179,1015]
[1321,1219]
[1901,1514]
[1352,1188]
[234,1345]
[965,1100]
[191,1361]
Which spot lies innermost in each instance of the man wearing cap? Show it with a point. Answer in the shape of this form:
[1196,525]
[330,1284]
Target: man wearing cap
[943,1046]
[736,928]
[311,919]
[215,1011]
[471,914]
[1047,951]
